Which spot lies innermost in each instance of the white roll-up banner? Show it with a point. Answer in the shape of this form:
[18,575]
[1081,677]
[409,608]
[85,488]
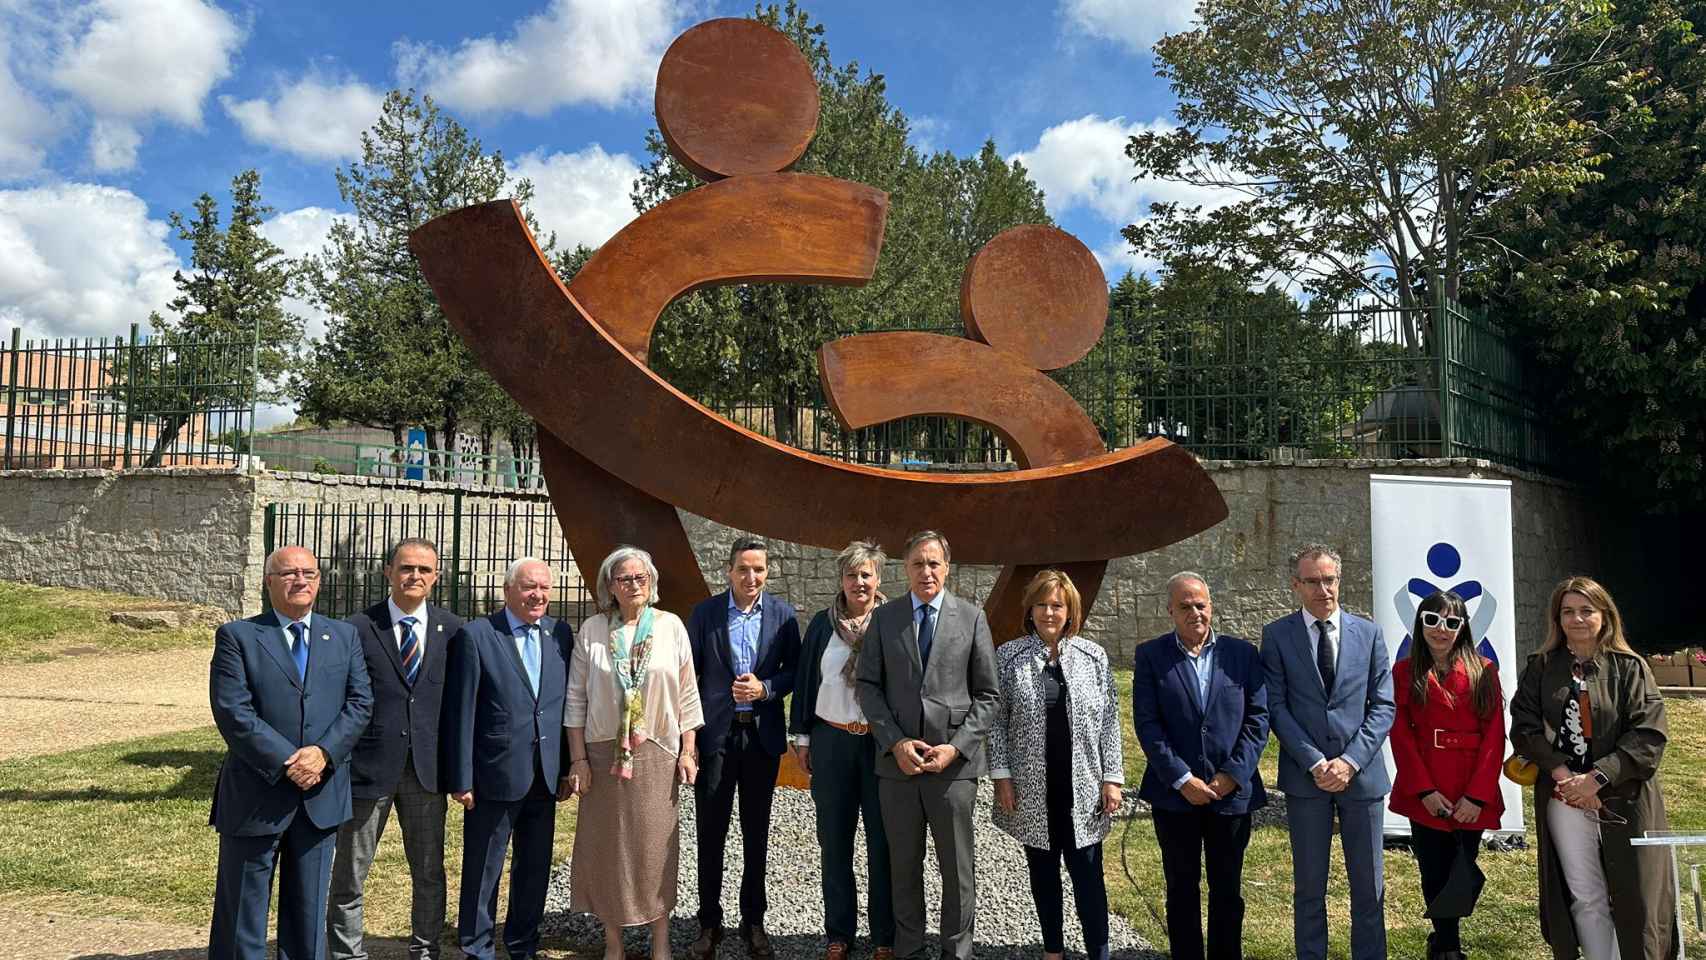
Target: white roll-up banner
[1442,533]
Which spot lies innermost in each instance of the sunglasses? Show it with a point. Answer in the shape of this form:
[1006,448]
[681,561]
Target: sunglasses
[1432,619]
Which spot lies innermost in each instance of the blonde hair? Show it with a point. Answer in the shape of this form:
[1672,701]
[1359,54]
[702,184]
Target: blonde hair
[1611,635]
[1039,588]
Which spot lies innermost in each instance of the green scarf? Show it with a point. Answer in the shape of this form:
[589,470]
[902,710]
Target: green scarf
[630,657]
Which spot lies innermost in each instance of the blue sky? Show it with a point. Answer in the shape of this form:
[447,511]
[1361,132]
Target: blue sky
[115,112]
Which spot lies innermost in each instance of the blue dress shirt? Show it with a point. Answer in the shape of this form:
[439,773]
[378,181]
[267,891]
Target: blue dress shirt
[743,641]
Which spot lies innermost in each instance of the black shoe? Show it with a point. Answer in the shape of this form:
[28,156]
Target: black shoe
[757,941]
[706,946]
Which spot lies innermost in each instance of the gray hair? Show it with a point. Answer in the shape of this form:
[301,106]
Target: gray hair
[861,552]
[423,542]
[1310,551]
[743,544]
[603,596]
[925,536]
[1185,576]
[267,567]
[514,569]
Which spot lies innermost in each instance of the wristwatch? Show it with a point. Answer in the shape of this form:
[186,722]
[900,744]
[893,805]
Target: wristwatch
[1600,778]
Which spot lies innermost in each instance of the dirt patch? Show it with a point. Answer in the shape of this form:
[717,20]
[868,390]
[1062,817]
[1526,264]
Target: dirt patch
[82,701]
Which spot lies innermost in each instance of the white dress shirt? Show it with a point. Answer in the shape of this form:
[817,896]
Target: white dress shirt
[420,615]
[1334,634]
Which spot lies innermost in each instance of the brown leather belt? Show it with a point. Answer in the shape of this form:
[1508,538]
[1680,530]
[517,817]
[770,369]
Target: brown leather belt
[857,729]
[1453,740]
[745,716]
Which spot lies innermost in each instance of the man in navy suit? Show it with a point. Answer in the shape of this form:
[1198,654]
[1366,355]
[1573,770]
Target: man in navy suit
[290,695]
[745,644]
[1330,696]
[1200,706]
[502,740]
[406,641]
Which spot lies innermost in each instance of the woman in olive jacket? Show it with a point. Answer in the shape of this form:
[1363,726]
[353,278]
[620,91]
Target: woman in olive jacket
[1603,763]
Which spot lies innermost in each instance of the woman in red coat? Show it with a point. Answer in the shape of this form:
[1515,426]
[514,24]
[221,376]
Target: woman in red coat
[1448,742]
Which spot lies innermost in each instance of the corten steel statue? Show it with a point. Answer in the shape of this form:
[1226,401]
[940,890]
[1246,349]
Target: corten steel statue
[736,104]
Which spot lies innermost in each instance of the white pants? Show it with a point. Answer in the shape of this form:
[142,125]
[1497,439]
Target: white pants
[1575,837]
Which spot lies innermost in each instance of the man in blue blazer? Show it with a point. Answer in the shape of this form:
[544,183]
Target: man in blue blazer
[406,641]
[1330,695]
[1200,705]
[745,645]
[502,739]
[290,695]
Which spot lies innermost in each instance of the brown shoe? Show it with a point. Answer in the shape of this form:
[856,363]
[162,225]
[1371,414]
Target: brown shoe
[757,942]
[706,946]
[837,951]
[883,953]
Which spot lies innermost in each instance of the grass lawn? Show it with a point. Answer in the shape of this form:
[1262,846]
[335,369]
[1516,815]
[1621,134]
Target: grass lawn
[121,830]
[1505,923]
[42,623]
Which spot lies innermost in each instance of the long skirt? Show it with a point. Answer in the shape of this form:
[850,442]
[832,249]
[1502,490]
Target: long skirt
[627,839]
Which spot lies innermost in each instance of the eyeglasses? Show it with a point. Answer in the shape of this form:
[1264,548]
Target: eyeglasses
[1318,582]
[1604,814]
[634,580]
[301,573]
[1432,619]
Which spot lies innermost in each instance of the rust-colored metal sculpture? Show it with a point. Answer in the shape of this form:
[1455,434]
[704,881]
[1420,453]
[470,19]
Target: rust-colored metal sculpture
[622,448]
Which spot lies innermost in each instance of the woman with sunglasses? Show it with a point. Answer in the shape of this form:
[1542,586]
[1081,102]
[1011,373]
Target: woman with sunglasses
[1590,714]
[1448,742]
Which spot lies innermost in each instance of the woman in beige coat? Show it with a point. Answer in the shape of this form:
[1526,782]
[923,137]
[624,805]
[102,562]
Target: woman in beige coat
[1590,714]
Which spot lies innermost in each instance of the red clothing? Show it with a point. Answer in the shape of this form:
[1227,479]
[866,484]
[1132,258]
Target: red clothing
[1446,747]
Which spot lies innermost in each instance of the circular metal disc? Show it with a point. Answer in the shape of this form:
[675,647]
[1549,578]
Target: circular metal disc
[735,97]
[1036,292]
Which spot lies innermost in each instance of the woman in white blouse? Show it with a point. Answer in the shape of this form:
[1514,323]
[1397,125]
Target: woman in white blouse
[631,716]
[834,743]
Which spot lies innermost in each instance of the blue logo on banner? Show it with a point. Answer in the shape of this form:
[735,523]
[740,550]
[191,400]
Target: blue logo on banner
[1444,561]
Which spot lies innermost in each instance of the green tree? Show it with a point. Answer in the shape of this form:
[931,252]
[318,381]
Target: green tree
[233,292]
[388,358]
[1609,282]
[1365,147]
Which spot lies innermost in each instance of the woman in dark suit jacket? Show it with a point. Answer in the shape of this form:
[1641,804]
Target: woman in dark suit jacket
[1200,704]
[1448,742]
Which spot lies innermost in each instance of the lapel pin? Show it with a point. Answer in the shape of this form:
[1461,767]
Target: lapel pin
[325,636]
[441,628]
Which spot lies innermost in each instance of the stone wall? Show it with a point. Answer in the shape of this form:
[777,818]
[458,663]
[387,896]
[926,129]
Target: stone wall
[198,535]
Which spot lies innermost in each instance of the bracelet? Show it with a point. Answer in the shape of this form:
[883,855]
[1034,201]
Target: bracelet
[573,760]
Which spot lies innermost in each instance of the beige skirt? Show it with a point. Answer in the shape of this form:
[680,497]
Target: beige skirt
[627,839]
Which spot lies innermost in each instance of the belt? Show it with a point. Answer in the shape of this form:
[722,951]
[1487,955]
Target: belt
[858,729]
[1452,740]
[745,716]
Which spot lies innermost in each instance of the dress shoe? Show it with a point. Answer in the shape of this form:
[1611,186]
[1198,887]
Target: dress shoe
[706,946]
[883,953]
[757,941]
[837,951]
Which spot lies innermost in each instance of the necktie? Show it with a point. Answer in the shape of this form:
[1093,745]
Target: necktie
[410,650]
[1324,658]
[530,656]
[299,649]
[926,635]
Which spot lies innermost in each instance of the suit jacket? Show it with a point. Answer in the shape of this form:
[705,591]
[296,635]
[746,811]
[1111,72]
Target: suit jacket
[405,718]
[1181,733]
[493,726]
[265,712]
[713,661]
[1312,724]
[952,702]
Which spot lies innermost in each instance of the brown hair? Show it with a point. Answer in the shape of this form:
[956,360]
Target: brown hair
[1611,622]
[1482,678]
[1040,586]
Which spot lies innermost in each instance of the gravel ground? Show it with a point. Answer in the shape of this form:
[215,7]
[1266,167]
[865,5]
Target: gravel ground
[1006,917]
[81,701]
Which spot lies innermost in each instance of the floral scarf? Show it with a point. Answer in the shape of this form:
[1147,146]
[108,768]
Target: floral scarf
[630,656]
[1576,732]
[851,630]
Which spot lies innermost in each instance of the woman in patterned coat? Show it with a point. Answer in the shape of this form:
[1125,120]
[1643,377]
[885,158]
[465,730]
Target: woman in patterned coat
[1054,754]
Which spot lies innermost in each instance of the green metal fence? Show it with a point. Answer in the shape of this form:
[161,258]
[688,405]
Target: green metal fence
[316,454]
[477,539]
[124,402]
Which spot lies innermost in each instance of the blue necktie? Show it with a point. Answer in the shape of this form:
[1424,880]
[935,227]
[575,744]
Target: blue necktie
[299,649]
[530,656]
[410,650]
[926,636]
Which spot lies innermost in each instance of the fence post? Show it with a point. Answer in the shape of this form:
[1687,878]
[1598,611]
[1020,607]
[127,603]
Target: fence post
[456,550]
[1443,336]
[254,398]
[12,394]
[269,539]
[130,383]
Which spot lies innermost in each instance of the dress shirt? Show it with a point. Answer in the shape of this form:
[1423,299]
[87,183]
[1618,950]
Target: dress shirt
[1203,662]
[420,615]
[743,641]
[935,606]
[284,623]
[520,637]
[837,700]
[1335,637]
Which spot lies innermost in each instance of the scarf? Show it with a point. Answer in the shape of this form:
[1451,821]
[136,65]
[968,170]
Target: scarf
[630,656]
[1575,734]
[851,630]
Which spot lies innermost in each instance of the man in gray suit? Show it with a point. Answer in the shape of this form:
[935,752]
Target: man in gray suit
[927,684]
[1330,703]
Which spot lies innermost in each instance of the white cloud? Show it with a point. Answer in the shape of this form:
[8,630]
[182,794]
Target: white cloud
[299,233]
[603,52]
[113,145]
[583,196]
[1136,24]
[79,259]
[311,117]
[1117,257]
[1082,163]
[25,125]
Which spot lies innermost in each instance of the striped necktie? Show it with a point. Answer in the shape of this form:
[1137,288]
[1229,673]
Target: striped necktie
[410,649]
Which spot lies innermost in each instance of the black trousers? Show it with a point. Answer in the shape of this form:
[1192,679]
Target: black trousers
[744,766]
[1186,840]
[844,788]
[525,828]
[1436,851]
[1089,893]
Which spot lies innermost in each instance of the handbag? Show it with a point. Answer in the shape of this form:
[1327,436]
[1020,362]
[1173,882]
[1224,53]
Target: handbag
[1521,771]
